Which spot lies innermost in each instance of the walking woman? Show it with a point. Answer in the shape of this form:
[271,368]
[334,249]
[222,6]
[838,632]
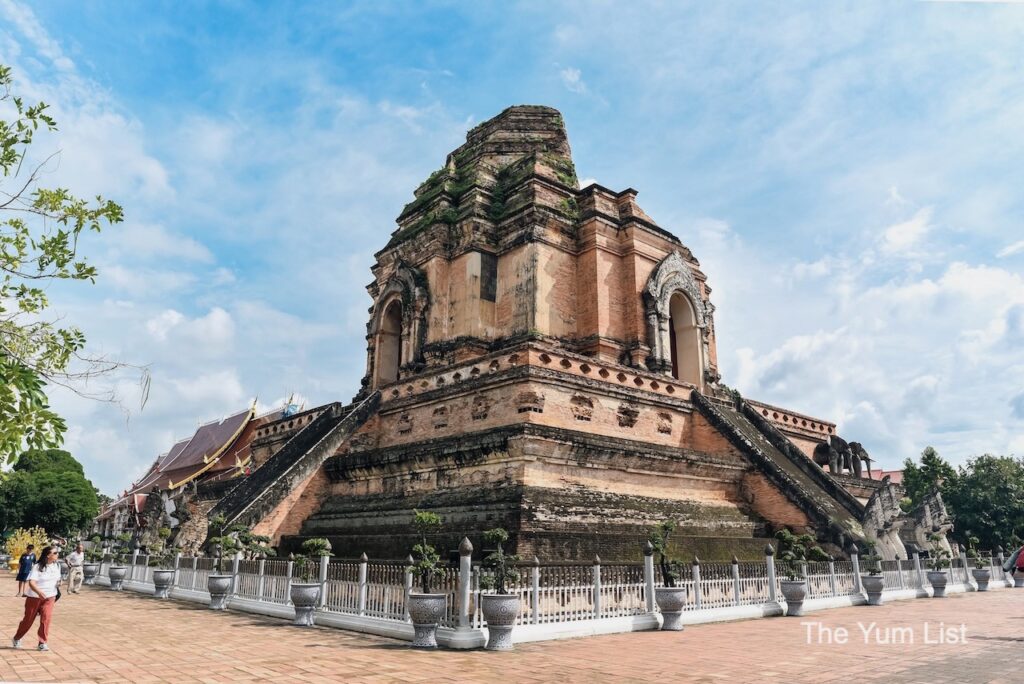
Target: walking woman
[41,597]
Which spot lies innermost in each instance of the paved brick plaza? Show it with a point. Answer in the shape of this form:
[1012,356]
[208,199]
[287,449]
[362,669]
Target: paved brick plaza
[102,636]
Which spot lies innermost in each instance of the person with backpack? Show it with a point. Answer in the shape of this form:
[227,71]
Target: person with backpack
[43,592]
[25,564]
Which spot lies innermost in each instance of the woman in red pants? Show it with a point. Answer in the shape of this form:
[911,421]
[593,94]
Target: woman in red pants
[41,596]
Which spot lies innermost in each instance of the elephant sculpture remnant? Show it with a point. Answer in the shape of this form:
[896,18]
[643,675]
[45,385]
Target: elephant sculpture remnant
[842,457]
[861,460]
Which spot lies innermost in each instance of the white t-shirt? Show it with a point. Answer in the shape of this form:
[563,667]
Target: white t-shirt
[75,558]
[46,579]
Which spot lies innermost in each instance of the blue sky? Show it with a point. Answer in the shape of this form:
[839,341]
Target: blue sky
[849,175]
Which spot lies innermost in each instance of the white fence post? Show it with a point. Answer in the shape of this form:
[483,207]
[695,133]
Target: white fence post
[855,560]
[364,569]
[899,566]
[649,576]
[465,581]
[288,586]
[696,583]
[832,576]
[769,561]
[177,562]
[234,572]
[735,581]
[261,582]
[920,572]
[597,586]
[408,584]
[325,562]
[968,580]
[195,571]
[535,590]
[131,569]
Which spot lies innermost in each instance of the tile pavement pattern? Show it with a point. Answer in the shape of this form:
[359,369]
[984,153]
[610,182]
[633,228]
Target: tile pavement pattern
[102,636]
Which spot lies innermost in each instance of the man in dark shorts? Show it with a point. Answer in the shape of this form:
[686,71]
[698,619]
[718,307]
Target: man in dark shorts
[25,563]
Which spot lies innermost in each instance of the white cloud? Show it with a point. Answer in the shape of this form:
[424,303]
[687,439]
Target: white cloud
[1011,249]
[901,237]
[153,240]
[212,334]
[572,79]
[212,394]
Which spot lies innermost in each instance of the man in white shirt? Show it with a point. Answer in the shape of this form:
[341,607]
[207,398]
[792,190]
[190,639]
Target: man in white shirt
[75,560]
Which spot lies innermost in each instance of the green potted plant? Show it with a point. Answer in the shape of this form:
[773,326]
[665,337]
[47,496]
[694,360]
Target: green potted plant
[873,582]
[119,561]
[93,560]
[305,593]
[794,553]
[669,597]
[938,561]
[223,545]
[981,571]
[425,608]
[161,558]
[500,608]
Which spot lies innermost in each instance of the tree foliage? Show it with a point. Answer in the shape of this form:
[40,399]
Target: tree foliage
[984,497]
[934,473]
[47,488]
[987,502]
[40,229]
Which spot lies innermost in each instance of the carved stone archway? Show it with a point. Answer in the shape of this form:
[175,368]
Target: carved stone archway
[406,288]
[673,276]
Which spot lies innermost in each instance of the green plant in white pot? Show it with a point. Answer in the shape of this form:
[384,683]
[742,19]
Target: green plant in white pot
[500,608]
[795,550]
[669,596]
[425,608]
[305,588]
[938,561]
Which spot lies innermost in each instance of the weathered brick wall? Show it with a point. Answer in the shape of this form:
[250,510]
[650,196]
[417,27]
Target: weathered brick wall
[302,502]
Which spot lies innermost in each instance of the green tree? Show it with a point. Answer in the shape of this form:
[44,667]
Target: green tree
[987,502]
[933,473]
[56,460]
[47,488]
[40,229]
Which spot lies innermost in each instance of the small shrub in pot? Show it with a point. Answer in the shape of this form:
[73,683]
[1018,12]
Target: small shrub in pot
[118,562]
[873,582]
[305,593]
[500,608]
[425,608]
[794,553]
[669,597]
[161,558]
[938,561]
[981,571]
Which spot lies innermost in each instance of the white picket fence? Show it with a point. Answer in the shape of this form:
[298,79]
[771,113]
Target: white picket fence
[555,600]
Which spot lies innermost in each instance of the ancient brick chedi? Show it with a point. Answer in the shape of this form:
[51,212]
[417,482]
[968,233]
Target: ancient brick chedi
[541,357]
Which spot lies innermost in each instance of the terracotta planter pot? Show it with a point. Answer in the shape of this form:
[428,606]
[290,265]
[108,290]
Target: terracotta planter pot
[795,591]
[500,611]
[305,597]
[426,610]
[670,602]
[162,581]
[938,579]
[116,573]
[219,587]
[874,585]
[89,572]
